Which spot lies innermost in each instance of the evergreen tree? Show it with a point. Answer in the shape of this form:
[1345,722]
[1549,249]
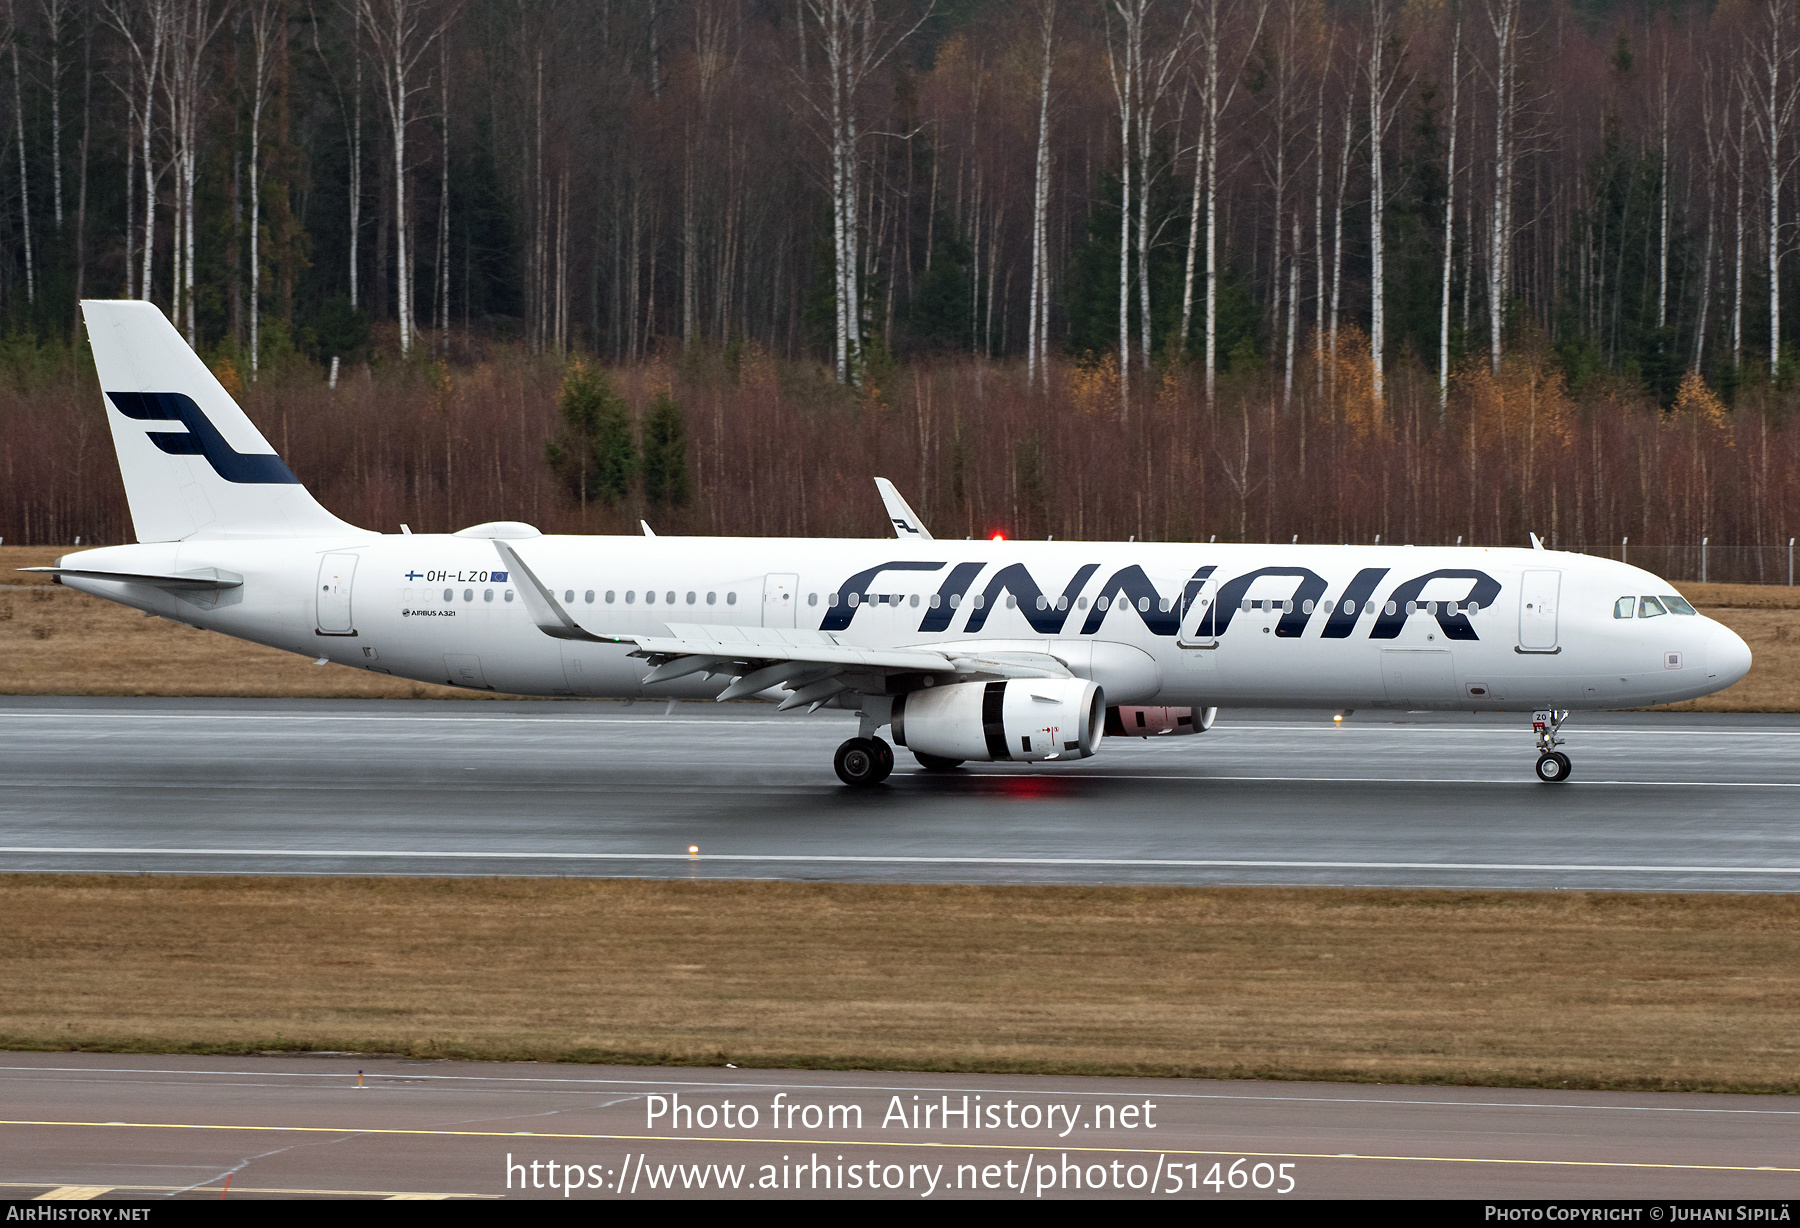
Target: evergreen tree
[666,479]
[593,451]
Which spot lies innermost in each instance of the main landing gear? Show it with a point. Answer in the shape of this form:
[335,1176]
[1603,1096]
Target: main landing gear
[1552,766]
[864,761]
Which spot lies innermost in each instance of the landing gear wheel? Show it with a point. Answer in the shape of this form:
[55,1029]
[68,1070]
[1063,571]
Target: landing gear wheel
[860,762]
[1553,768]
[886,754]
[936,763]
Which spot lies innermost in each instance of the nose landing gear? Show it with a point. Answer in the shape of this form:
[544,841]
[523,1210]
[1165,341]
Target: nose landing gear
[864,761]
[1553,766]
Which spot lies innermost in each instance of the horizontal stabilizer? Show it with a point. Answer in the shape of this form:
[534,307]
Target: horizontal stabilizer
[199,578]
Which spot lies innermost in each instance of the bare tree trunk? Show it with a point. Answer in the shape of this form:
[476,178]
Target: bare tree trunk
[1662,196]
[1737,259]
[395,26]
[1503,16]
[263,18]
[1449,224]
[1778,112]
[53,19]
[87,99]
[1379,115]
[12,33]
[444,196]
[1124,83]
[1035,357]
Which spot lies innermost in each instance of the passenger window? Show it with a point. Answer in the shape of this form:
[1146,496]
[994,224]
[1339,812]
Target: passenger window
[1306,607]
[649,596]
[691,599]
[449,595]
[468,594]
[1624,607]
[1081,603]
[609,595]
[980,600]
[630,596]
[590,596]
[1677,606]
[1650,607]
[730,598]
[1062,603]
[1143,605]
[812,599]
[1012,602]
[487,594]
[712,599]
[669,598]
[509,594]
[1391,609]
[1287,607]
[934,601]
[569,597]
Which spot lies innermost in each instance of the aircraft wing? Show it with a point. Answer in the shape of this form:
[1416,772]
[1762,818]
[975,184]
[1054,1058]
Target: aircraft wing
[811,665]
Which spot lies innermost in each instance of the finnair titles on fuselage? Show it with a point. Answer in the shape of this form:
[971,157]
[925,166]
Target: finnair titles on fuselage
[965,650]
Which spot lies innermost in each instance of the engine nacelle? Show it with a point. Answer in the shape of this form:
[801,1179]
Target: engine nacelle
[1019,719]
[1129,722]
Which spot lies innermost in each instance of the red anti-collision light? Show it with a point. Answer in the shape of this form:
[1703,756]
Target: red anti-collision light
[999,537]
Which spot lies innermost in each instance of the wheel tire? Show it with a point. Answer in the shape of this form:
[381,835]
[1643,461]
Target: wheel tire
[1567,767]
[1552,769]
[858,763]
[936,763]
[885,754]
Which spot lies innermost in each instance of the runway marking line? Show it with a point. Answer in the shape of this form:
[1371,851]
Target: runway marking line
[98,1190]
[897,859]
[768,1085]
[73,1193]
[816,1142]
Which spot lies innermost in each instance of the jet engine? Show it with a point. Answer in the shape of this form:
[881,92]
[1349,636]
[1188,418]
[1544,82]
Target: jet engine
[1019,719]
[1130,722]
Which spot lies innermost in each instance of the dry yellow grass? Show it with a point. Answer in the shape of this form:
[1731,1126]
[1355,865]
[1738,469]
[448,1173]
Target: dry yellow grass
[1587,989]
[55,641]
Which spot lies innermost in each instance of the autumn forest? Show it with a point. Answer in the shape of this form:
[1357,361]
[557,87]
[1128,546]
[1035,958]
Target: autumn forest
[1171,269]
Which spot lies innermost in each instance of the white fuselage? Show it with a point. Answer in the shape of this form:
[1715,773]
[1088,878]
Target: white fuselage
[1152,623]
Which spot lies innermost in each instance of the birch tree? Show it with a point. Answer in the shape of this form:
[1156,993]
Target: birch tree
[1385,88]
[1503,19]
[401,35]
[265,19]
[144,25]
[1215,97]
[1449,220]
[1037,332]
[185,75]
[853,43]
[12,38]
[54,13]
[1771,68]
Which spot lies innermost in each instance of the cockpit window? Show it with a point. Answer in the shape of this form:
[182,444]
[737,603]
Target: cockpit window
[1650,607]
[1624,607]
[1676,605]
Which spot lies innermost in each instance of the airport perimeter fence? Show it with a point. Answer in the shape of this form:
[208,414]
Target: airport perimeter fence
[1704,561]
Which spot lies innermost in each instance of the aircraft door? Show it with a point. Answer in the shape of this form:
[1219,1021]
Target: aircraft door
[781,600]
[1537,610]
[336,572]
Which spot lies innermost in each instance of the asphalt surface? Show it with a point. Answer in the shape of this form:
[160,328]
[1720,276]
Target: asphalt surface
[122,1126]
[1657,801]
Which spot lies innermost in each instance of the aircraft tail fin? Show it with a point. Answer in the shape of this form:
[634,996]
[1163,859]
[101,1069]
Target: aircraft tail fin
[194,465]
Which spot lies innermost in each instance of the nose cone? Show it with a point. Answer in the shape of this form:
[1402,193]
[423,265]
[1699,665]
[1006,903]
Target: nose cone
[1727,657]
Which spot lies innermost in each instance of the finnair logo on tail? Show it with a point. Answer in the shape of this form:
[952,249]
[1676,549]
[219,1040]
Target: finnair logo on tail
[202,437]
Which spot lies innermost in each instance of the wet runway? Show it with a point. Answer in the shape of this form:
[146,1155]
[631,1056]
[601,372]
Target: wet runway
[1657,801]
[82,1126]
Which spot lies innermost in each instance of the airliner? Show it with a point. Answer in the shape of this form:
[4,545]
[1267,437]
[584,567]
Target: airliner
[964,651]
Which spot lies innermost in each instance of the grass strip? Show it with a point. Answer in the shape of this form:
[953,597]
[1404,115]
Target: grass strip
[1557,989]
